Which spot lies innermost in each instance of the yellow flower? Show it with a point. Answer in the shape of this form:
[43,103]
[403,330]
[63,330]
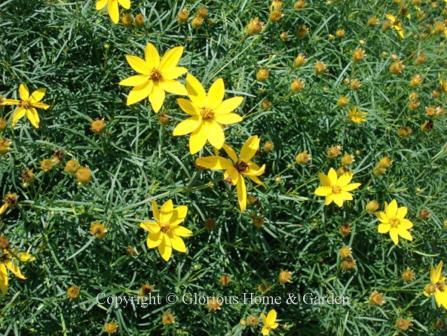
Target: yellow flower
[396,24]
[356,116]
[112,7]
[7,262]
[155,76]
[237,167]
[393,221]
[208,112]
[269,322]
[437,286]
[336,188]
[28,105]
[165,233]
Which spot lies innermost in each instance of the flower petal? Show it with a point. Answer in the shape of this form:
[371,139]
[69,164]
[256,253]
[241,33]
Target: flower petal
[213,162]
[181,231]
[230,152]
[187,126]
[157,97]
[174,87]
[151,56]
[241,193]
[250,148]
[323,191]
[125,3]
[228,118]
[165,248]
[138,93]
[215,134]
[173,73]
[216,94]
[114,11]
[18,114]
[196,92]
[229,105]
[394,235]
[171,58]
[100,4]
[178,244]
[23,92]
[136,80]
[187,106]
[38,95]
[33,117]
[138,64]
[197,140]
[383,228]
[150,226]
[391,209]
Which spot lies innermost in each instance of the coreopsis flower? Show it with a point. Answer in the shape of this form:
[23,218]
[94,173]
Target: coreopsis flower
[396,25]
[269,322]
[155,76]
[28,105]
[437,286]
[356,116]
[255,26]
[208,114]
[165,231]
[8,262]
[393,221]
[113,7]
[237,167]
[336,188]
[376,299]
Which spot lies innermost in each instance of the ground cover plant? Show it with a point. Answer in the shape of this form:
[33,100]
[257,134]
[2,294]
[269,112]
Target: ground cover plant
[238,167]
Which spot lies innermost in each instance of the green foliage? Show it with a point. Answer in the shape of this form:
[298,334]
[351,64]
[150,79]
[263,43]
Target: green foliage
[78,55]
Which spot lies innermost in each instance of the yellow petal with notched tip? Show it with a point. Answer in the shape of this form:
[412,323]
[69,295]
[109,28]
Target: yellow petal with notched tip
[229,105]
[216,94]
[171,58]
[250,148]
[138,64]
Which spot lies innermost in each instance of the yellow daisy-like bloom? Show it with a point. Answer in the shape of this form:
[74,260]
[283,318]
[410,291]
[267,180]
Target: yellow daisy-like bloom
[28,105]
[396,24]
[237,167]
[393,221]
[155,76]
[269,322]
[209,113]
[437,286]
[165,232]
[113,8]
[357,116]
[8,263]
[336,188]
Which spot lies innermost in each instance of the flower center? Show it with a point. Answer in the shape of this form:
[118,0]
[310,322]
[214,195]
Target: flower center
[25,104]
[164,227]
[440,286]
[394,222]
[155,75]
[241,166]
[207,113]
[336,189]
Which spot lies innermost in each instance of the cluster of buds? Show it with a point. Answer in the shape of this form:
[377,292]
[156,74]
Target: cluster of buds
[276,10]
[83,174]
[382,166]
[129,20]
